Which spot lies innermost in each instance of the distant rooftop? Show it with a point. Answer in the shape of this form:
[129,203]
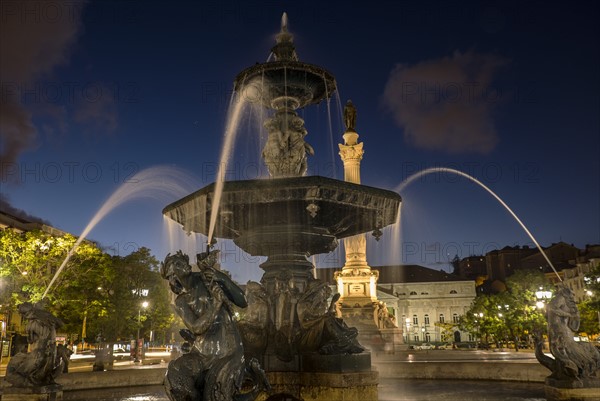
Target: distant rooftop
[22,224]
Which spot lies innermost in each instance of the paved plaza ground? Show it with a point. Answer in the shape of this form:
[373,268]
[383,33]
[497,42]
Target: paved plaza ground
[390,389]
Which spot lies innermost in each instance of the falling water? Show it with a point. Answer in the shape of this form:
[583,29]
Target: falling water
[178,239]
[394,234]
[421,173]
[330,129]
[236,106]
[153,182]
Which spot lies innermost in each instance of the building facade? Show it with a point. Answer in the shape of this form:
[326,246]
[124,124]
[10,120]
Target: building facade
[425,303]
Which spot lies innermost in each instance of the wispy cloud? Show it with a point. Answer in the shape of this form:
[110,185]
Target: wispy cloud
[446,104]
[99,115]
[35,37]
[6,207]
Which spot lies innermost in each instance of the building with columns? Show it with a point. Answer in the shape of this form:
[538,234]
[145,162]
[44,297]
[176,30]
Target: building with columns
[426,304]
[429,302]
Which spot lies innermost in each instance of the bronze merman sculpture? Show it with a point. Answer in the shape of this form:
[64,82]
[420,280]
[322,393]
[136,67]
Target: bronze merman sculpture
[40,366]
[321,330]
[212,367]
[572,360]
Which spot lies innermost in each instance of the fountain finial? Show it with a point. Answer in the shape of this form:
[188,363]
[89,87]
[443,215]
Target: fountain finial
[284,50]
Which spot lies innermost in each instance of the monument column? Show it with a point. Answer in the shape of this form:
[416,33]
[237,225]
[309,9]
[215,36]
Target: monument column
[357,283]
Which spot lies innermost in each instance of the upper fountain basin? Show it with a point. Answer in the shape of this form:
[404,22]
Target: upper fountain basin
[266,82]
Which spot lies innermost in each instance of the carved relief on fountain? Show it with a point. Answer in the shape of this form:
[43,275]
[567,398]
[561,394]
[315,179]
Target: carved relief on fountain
[285,152]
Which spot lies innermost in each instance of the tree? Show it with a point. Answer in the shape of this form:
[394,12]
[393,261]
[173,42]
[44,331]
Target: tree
[446,331]
[95,293]
[589,310]
[82,294]
[135,279]
[510,314]
[483,318]
[525,318]
[30,261]
[590,318]
[592,284]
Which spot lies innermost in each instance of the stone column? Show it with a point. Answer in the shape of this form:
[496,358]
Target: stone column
[357,283]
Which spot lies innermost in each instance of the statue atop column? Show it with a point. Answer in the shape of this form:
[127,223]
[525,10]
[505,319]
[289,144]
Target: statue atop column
[350,116]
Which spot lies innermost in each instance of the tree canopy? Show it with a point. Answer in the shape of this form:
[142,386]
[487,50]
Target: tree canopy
[510,315]
[96,294]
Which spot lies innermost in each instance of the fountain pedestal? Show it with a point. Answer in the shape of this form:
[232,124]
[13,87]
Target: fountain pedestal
[326,386]
[572,390]
[328,378]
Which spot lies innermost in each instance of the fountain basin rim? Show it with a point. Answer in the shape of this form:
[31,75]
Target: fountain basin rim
[287,68]
[283,183]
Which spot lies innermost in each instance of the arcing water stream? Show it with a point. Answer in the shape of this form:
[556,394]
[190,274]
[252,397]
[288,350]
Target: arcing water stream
[431,170]
[153,182]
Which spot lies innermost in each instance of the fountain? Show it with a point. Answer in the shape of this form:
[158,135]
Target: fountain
[305,349]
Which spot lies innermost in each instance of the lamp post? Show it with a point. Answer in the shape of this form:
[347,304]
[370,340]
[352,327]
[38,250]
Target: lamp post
[478,334]
[137,341]
[542,296]
[590,294]
[502,316]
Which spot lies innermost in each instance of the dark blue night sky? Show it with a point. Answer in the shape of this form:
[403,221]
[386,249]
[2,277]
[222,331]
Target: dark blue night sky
[506,91]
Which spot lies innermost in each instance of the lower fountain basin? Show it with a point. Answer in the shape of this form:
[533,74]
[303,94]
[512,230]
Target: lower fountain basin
[275,216]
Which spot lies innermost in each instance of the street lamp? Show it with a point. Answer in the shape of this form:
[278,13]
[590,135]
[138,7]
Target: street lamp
[478,334]
[137,341]
[542,296]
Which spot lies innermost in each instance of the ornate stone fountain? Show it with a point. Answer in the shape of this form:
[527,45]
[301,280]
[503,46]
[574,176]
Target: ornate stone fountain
[290,325]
